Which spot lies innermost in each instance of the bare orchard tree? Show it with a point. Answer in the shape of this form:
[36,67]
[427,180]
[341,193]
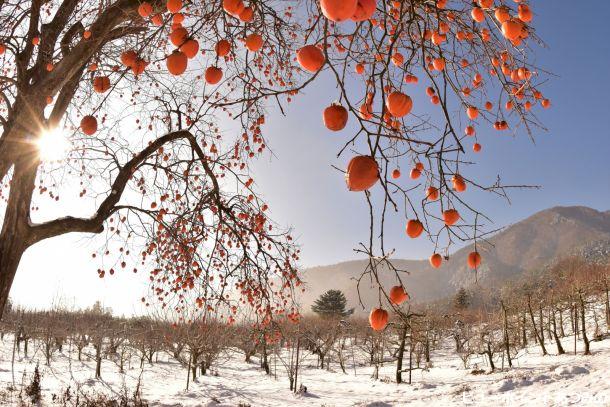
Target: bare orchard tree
[289,350]
[244,337]
[321,335]
[196,342]
[146,337]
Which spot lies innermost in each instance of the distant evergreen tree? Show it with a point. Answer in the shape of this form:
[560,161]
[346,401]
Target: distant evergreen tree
[462,299]
[331,303]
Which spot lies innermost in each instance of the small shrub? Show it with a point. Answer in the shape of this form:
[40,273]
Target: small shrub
[33,390]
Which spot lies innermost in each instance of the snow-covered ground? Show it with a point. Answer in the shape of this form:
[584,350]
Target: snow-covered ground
[535,381]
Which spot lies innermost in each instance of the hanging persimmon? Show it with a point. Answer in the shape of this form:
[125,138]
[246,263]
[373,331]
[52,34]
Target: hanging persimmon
[524,13]
[476,147]
[233,7]
[396,173]
[415,173]
[101,84]
[222,48]
[398,295]
[411,79]
[478,14]
[174,6]
[339,10]
[145,9]
[451,216]
[176,63]
[213,75]
[436,260]
[157,19]
[511,29]
[246,15]
[128,58]
[362,173]
[414,228]
[366,111]
[335,117]
[254,42]
[458,183]
[472,112]
[190,48]
[399,104]
[378,319]
[364,10]
[439,64]
[486,3]
[474,260]
[138,66]
[88,125]
[178,19]
[502,14]
[311,58]
[438,38]
[179,36]
[432,193]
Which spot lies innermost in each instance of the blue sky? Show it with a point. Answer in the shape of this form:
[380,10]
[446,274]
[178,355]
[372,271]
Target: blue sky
[570,161]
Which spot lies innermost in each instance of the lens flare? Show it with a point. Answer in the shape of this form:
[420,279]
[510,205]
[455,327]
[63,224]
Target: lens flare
[53,145]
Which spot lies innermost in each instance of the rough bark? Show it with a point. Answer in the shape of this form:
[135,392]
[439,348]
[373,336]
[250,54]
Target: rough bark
[401,353]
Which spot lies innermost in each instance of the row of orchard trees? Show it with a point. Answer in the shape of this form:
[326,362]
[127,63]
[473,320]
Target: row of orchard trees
[94,334]
[553,310]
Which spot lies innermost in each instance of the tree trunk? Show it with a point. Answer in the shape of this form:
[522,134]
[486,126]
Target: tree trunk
[188,372]
[16,223]
[401,353]
[265,362]
[574,317]
[410,357]
[531,312]
[296,365]
[11,251]
[427,346]
[560,350]
[490,356]
[458,343]
[583,326]
[524,330]
[541,321]
[506,338]
[607,304]
[98,367]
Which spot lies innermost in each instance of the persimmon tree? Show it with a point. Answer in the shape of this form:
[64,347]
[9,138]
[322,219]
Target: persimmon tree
[158,109]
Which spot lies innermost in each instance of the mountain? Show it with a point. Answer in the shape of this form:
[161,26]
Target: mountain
[528,245]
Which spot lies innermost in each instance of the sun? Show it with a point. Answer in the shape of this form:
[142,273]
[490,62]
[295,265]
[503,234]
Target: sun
[53,145]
